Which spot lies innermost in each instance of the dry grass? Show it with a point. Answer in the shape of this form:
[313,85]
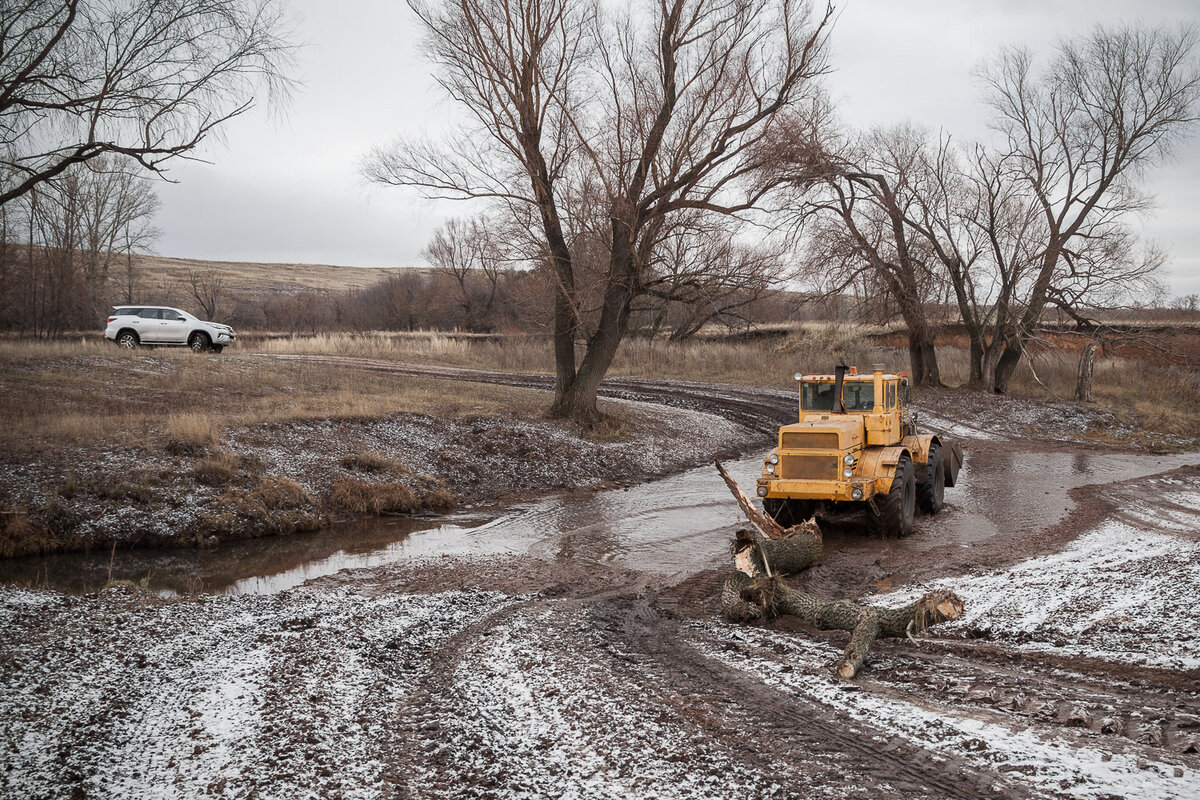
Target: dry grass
[84,393]
[20,537]
[217,469]
[375,463]
[360,497]
[191,433]
[87,392]
[243,277]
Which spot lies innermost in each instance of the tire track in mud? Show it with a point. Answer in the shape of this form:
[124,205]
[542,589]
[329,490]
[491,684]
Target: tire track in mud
[639,652]
[759,410]
[661,717]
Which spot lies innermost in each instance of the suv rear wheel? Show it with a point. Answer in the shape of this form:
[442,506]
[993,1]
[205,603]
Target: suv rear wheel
[127,339]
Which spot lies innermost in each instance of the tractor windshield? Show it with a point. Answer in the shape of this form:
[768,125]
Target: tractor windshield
[859,396]
[818,396]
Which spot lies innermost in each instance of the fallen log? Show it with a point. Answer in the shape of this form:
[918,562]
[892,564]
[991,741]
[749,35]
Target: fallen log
[864,623]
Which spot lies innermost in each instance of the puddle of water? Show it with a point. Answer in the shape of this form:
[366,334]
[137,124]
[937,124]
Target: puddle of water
[678,525]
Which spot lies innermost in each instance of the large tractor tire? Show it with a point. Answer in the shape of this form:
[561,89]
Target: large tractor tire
[898,507]
[932,490]
[788,512]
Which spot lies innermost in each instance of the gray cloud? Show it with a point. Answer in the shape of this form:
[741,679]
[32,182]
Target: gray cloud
[290,191]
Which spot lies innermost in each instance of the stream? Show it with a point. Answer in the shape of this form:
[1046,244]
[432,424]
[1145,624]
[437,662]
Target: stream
[673,526]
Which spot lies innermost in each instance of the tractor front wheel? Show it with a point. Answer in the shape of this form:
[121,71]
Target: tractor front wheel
[898,506]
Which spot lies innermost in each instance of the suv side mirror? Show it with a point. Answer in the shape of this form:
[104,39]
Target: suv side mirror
[181,319]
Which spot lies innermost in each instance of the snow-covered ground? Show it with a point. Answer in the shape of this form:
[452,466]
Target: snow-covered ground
[1126,591]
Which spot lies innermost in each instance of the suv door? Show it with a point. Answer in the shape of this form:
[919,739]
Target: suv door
[147,325]
[173,328]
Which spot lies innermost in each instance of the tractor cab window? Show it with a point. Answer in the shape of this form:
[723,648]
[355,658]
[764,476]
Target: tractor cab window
[816,396]
[891,395]
[859,396]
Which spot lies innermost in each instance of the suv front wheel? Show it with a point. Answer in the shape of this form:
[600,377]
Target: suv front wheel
[199,342]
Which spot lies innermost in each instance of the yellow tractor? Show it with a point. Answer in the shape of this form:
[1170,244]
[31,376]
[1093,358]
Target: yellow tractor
[856,445]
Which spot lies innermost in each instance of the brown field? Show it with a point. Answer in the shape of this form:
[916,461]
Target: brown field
[76,392]
[86,390]
[1163,397]
[252,278]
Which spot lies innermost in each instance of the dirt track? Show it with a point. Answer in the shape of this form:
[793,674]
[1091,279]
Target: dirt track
[562,672]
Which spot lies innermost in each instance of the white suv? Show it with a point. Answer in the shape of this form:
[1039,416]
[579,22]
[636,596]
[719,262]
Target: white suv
[130,326]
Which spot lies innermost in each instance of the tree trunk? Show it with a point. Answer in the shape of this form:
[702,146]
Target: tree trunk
[1006,365]
[865,623]
[1087,365]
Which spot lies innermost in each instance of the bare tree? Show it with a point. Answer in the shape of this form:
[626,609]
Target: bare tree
[206,287]
[1079,137]
[473,253]
[140,80]
[861,233]
[702,272]
[61,240]
[579,109]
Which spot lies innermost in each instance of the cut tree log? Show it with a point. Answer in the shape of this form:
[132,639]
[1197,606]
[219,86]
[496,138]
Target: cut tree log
[758,590]
[865,623]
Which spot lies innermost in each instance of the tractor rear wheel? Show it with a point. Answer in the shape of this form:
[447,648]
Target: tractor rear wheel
[932,490]
[899,505]
[788,512]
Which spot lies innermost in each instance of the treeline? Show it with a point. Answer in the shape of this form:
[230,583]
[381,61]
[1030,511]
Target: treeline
[67,247]
[505,301]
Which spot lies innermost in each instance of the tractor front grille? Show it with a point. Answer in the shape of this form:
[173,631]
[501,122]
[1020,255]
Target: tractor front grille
[815,468]
[810,440]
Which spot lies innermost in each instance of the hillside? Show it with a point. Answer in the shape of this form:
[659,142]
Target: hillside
[252,278]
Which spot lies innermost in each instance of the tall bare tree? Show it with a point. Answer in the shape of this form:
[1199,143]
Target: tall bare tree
[646,115]
[140,80]
[861,231]
[1080,136]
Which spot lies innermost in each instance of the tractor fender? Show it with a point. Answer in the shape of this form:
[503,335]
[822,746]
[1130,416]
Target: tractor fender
[918,446]
[879,463]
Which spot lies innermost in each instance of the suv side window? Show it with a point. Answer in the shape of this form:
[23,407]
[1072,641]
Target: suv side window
[122,312]
[148,313]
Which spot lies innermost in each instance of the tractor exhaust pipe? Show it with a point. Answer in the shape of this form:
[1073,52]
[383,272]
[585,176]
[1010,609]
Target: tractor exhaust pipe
[839,376]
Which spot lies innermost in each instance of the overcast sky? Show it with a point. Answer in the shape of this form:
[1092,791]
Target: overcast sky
[288,190]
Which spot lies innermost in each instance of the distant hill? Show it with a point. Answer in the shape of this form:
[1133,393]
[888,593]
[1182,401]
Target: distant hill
[248,278]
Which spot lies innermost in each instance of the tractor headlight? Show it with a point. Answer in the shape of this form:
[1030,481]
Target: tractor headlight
[798,375]
[848,472]
[848,459]
[770,469]
[855,493]
[762,491]
[773,458]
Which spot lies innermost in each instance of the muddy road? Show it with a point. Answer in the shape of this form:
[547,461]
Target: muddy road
[571,647]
